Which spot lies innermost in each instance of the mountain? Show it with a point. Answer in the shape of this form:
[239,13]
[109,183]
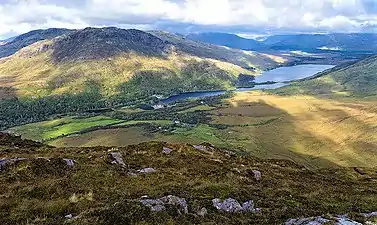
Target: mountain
[229,40]
[203,49]
[314,42]
[162,183]
[11,46]
[3,42]
[357,79]
[105,67]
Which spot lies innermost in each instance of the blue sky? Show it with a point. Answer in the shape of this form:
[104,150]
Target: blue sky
[235,16]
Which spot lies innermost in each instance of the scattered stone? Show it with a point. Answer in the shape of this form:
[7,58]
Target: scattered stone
[147,170]
[257,175]
[117,157]
[248,206]
[132,174]
[203,212]
[69,216]
[338,220]
[233,206]
[5,163]
[200,147]
[308,221]
[372,214]
[166,150]
[160,204]
[69,162]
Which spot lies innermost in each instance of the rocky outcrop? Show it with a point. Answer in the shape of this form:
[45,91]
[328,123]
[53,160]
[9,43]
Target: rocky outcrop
[69,162]
[117,159]
[337,220]
[166,150]
[257,175]
[5,163]
[160,204]
[233,206]
[146,170]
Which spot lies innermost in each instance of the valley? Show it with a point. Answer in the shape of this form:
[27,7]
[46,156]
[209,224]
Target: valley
[116,126]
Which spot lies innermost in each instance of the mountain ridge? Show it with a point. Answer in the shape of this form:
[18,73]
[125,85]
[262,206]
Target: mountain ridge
[229,40]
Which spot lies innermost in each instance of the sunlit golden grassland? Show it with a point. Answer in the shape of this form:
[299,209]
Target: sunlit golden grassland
[312,131]
[342,131]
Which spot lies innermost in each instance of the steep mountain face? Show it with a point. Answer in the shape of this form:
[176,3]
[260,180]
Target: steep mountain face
[96,44]
[336,41]
[11,46]
[357,79]
[229,40]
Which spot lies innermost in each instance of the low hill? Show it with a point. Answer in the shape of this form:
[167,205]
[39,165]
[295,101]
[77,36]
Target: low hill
[106,67]
[162,183]
[358,79]
[229,40]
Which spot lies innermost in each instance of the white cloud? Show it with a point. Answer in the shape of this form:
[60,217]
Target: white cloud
[18,16]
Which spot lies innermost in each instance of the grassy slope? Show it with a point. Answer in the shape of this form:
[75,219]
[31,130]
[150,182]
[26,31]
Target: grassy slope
[46,130]
[42,192]
[38,76]
[311,131]
[358,80]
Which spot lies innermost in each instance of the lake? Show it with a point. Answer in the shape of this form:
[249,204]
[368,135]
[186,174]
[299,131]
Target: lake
[280,75]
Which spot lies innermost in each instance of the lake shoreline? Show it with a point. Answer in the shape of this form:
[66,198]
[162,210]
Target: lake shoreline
[254,86]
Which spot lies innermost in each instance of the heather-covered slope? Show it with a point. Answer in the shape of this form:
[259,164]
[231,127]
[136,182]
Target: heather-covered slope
[104,185]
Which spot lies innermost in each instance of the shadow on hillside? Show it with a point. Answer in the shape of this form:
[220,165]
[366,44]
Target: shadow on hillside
[7,93]
[343,140]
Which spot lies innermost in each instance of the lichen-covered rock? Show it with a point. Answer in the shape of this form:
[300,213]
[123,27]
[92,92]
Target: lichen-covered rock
[5,163]
[69,162]
[147,170]
[257,175]
[372,214]
[233,206]
[117,157]
[203,212]
[337,220]
[160,204]
[200,147]
[166,150]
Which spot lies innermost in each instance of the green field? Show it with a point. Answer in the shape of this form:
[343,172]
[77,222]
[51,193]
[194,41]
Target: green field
[47,130]
[315,132]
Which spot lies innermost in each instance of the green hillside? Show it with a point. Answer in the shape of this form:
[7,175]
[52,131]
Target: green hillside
[107,67]
[358,79]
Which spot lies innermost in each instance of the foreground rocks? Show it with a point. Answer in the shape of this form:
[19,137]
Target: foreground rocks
[337,220]
[5,163]
[160,204]
[233,206]
[117,159]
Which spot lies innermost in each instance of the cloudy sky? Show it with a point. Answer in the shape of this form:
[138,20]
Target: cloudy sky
[236,16]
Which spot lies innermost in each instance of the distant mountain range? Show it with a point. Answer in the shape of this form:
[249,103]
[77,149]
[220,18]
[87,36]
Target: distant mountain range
[337,41]
[361,42]
[229,40]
